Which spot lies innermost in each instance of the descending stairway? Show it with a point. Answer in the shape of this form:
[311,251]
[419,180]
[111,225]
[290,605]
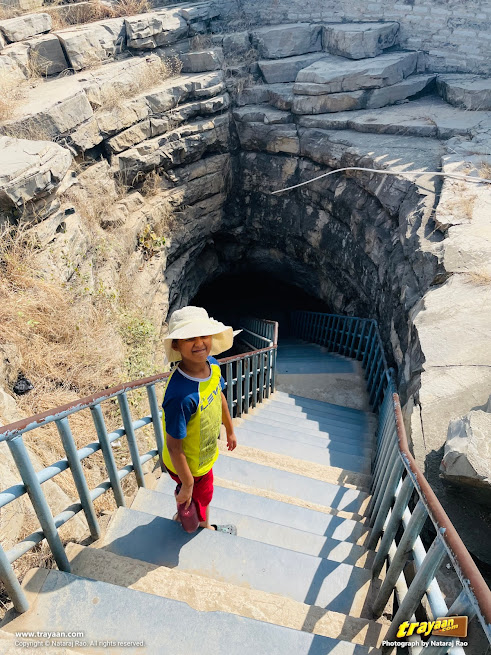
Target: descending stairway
[296,579]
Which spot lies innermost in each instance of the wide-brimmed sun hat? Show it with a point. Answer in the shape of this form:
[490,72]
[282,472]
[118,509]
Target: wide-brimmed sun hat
[194,322]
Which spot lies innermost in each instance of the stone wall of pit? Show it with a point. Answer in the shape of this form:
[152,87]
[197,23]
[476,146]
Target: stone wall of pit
[455,35]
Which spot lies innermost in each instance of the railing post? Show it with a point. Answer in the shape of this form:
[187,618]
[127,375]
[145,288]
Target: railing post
[418,586]
[380,512]
[107,453]
[404,547]
[269,359]
[239,387]
[273,370]
[360,343]
[124,408]
[392,526]
[247,379]
[254,380]
[12,585]
[230,389]
[39,502]
[78,476]
[156,421]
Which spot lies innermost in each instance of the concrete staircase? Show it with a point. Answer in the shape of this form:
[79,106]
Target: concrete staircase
[296,579]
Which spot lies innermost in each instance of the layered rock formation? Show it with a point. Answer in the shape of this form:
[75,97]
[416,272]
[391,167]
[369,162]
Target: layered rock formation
[198,157]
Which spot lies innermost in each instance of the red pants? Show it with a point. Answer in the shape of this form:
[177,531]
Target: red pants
[202,491]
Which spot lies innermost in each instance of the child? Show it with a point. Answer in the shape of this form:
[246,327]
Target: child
[194,407]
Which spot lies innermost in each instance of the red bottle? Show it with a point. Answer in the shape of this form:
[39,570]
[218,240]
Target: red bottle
[189,517]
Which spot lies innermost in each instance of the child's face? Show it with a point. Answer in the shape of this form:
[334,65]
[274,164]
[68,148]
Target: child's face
[194,349]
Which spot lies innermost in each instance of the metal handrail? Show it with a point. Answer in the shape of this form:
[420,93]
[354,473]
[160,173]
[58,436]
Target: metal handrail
[243,390]
[391,493]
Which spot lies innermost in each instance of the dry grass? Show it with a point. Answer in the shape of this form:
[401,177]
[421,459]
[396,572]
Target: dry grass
[200,42]
[485,169]
[12,91]
[480,278]
[153,74]
[95,11]
[9,11]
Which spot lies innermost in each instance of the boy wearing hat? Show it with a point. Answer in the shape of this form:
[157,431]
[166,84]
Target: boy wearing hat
[194,407]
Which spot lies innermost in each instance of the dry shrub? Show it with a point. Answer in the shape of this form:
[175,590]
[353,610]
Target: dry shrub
[12,91]
[131,7]
[9,11]
[485,169]
[94,11]
[200,42]
[153,74]
[152,185]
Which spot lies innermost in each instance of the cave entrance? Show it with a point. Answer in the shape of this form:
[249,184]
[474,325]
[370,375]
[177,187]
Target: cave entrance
[229,297]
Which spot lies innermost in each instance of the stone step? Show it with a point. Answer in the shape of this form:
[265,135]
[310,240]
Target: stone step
[301,436]
[362,99]
[353,438]
[285,514]
[207,595]
[162,503]
[330,422]
[291,484]
[359,40]
[308,403]
[312,580]
[466,91]
[429,116]
[328,411]
[24,27]
[304,452]
[102,612]
[312,437]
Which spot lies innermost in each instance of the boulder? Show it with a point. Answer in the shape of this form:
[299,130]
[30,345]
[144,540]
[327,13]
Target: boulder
[466,91]
[359,40]
[14,61]
[253,95]
[201,61]
[335,74]
[23,27]
[92,44]
[277,71]
[389,95]
[467,457]
[281,96]
[159,28]
[277,41]
[29,169]
[46,55]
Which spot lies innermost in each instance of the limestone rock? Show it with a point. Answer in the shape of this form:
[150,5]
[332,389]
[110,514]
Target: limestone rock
[354,100]
[467,458]
[270,138]
[277,71]
[94,43]
[46,55]
[277,41]
[281,96]
[335,74]
[159,28]
[252,95]
[29,169]
[23,27]
[425,117]
[178,147]
[236,44]
[359,40]
[14,61]
[466,91]
[261,114]
[200,61]
[10,364]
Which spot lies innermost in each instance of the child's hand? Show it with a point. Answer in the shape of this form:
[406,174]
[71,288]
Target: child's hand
[185,494]
[231,441]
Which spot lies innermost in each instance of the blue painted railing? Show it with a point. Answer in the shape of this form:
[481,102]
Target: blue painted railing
[249,378]
[398,485]
[358,338]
